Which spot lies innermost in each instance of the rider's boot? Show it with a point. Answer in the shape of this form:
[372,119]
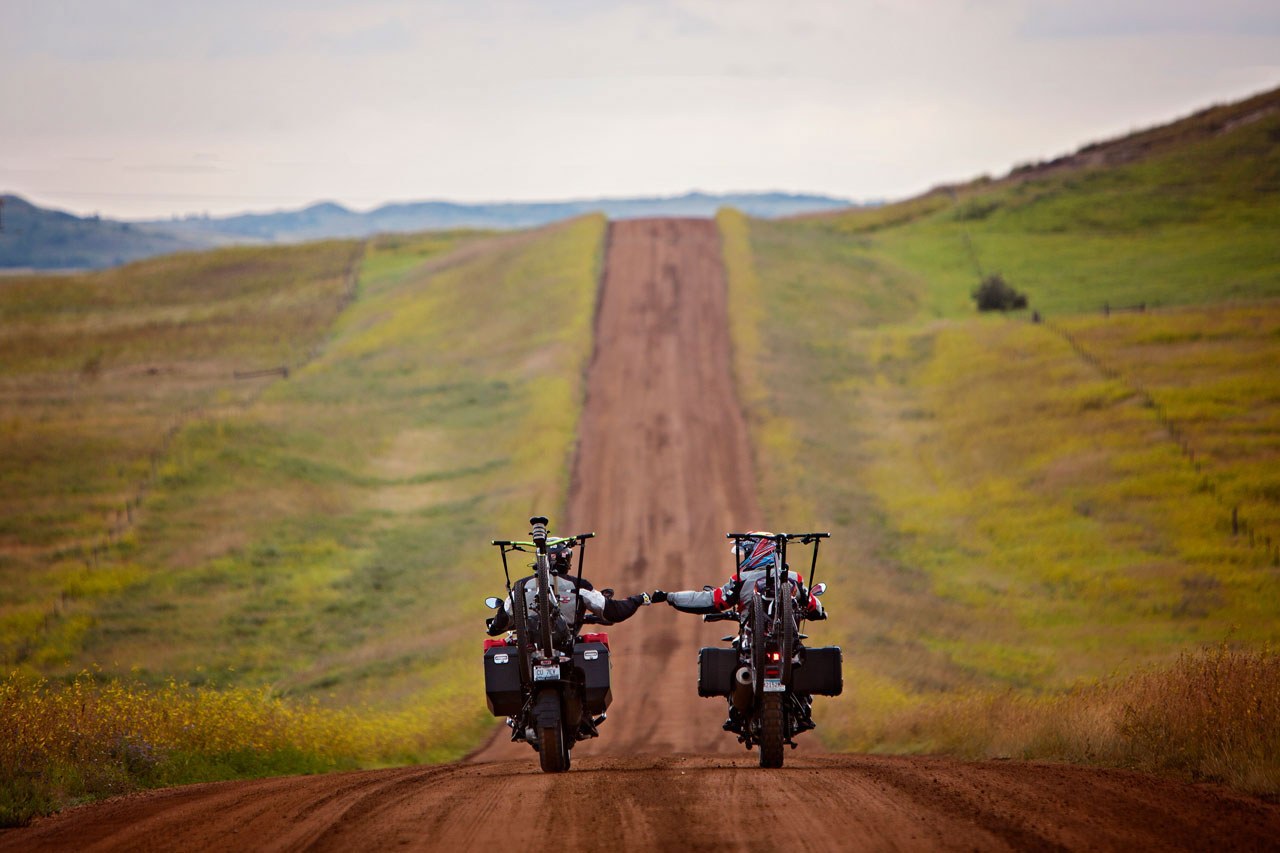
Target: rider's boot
[734,723]
[804,720]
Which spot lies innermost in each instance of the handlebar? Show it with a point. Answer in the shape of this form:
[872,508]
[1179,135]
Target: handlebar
[805,538]
[519,545]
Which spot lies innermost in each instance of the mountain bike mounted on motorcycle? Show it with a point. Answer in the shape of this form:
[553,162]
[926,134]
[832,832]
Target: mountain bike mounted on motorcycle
[768,675]
[546,676]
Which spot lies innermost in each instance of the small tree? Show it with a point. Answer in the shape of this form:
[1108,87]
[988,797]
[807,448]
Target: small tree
[994,294]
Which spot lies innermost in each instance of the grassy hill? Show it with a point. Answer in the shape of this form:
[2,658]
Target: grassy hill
[1021,508]
[258,470]
[164,519]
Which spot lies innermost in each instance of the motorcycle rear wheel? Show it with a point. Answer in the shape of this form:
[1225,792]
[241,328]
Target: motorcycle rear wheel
[771,730]
[553,750]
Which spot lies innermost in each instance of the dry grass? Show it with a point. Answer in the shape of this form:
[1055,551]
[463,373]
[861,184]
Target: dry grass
[90,737]
[1213,716]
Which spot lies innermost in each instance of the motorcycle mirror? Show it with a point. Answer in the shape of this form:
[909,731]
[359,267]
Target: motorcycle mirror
[493,603]
[819,589]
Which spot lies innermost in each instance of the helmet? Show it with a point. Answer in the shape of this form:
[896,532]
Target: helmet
[756,551]
[560,555]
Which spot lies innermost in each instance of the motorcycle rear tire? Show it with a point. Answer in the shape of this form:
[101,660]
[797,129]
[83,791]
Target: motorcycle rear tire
[771,730]
[553,750]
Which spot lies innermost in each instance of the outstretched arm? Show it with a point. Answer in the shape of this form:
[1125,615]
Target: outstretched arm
[613,609]
[704,601]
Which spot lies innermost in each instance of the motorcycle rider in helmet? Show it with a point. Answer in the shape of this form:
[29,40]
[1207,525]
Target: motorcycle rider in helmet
[753,555]
[574,595]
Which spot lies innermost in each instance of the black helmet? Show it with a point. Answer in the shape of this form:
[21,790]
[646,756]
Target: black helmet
[560,555]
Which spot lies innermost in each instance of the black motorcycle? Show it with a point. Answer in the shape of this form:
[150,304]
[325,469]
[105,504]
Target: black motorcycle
[769,675]
[547,677]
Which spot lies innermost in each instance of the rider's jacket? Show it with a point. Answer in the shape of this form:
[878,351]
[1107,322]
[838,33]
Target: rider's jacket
[738,592]
[572,596]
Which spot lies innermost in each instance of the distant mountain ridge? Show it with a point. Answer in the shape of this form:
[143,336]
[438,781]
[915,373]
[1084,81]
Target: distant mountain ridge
[328,219]
[37,238]
[32,237]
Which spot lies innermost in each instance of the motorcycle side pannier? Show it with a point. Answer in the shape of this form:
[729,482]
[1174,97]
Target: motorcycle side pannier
[502,680]
[821,672]
[716,667]
[593,660]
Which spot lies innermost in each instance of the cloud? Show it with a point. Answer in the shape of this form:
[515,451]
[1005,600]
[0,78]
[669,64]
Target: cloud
[1110,19]
[390,36]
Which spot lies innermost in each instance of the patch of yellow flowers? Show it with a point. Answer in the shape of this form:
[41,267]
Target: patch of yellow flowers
[88,737]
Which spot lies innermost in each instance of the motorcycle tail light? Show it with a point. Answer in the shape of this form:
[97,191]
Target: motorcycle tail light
[771,672]
[775,656]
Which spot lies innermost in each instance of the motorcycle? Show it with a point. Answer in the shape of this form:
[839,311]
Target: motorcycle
[550,679]
[768,674]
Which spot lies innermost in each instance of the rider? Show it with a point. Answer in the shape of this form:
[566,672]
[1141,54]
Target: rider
[753,554]
[574,595]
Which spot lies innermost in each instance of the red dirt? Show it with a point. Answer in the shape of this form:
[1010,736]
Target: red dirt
[663,471]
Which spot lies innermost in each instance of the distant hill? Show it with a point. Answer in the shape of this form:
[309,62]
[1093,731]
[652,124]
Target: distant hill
[333,220]
[1150,143]
[35,238]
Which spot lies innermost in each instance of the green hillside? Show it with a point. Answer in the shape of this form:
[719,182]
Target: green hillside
[1183,214]
[1029,506]
[163,517]
[261,473]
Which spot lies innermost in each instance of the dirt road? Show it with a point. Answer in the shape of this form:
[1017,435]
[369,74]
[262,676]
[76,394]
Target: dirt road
[663,470]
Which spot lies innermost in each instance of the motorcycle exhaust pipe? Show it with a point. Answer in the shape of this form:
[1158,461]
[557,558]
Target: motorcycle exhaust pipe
[743,690]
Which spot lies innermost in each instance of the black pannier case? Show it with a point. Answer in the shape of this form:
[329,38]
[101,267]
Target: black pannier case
[502,681]
[820,673]
[593,660]
[716,667]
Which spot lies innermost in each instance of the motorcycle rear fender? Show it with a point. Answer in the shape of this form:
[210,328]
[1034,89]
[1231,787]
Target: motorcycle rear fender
[546,708]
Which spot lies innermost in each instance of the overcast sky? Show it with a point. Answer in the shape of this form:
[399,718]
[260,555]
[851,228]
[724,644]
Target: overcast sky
[138,108]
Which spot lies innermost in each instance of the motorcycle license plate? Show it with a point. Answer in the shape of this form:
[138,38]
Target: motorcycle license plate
[773,685]
[546,673]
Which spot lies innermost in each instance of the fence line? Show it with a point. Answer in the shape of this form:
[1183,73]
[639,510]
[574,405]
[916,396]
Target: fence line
[1240,527]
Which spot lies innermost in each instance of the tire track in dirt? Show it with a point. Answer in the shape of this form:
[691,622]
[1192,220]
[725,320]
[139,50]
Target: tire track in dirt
[663,470]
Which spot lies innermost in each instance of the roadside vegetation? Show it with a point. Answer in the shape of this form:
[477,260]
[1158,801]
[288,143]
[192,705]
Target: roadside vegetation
[1037,522]
[86,738]
[304,553]
[99,374]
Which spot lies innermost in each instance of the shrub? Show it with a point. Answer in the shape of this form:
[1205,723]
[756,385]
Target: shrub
[995,294]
